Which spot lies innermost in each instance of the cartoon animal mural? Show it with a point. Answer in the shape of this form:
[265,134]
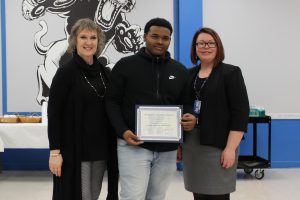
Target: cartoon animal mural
[110,15]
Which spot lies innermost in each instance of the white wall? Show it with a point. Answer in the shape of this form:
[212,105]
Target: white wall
[22,59]
[263,38]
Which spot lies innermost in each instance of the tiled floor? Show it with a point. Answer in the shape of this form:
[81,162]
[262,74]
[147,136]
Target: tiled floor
[278,184]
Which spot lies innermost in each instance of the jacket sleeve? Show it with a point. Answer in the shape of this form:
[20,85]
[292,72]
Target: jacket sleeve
[114,99]
[187,93]
[238,101]
[57,101]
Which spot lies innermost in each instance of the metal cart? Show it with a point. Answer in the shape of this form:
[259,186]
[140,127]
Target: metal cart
[249,163]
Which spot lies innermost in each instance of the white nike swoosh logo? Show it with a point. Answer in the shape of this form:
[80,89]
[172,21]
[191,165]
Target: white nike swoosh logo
[172,77]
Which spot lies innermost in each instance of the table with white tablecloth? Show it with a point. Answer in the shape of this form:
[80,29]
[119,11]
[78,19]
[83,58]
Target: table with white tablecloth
[24,135]
[25,146]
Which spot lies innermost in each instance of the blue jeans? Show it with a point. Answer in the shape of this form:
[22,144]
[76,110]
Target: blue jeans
[144,174]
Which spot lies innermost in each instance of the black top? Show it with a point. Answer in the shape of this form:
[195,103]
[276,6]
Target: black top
[94,134]
[199,85]
[224,106]
[95,122]
[144,80]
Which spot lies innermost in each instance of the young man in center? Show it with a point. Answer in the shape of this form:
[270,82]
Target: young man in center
[150,77]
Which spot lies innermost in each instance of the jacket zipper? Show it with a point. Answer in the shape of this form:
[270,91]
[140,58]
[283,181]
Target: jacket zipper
[157,80]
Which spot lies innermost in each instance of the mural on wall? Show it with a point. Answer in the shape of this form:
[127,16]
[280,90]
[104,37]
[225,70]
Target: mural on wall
[110,15]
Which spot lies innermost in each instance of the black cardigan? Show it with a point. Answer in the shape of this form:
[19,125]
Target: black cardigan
[225,105]
[67,124]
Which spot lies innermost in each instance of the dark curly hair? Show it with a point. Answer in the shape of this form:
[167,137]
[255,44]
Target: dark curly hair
[158,22]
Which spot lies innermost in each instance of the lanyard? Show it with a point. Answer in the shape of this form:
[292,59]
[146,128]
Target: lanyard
[201,87]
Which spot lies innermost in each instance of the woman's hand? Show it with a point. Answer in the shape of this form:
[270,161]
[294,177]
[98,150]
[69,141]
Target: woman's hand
[228,154]
[188,122]
[228,158]
[55,162]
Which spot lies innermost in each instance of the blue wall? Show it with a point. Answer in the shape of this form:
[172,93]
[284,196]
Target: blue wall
[190,19]
[285,140]
[286,143]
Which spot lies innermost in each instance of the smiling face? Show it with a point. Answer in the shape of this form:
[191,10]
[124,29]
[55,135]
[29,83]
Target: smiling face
[157,40]
[86,45]
[207,53]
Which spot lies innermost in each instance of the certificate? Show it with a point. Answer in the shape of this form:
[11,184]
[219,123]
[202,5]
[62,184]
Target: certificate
[158,123]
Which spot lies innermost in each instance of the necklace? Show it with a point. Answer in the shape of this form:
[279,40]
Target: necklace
[100,96]
[198,91]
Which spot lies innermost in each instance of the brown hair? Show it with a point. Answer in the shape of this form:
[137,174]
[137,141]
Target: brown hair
[220,49]
[83,24]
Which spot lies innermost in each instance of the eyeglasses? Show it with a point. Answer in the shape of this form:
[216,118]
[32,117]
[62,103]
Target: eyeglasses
[210,44]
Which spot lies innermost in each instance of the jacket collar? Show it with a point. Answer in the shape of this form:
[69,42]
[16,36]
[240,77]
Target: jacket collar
[194,71]
[142,52]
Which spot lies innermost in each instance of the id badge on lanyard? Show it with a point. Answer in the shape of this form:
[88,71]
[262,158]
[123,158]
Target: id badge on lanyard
[197,102]
[197,106]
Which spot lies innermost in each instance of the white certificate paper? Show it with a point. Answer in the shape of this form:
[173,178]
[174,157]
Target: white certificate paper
[159,123]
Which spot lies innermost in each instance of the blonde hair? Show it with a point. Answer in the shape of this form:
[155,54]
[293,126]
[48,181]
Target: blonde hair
[86,24]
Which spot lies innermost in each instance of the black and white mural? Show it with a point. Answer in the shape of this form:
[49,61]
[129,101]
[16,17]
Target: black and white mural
[37,34]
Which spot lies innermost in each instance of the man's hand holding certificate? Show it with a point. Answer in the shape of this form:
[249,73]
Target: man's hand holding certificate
[131,138]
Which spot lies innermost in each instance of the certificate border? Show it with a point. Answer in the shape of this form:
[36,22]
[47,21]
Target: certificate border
[159,107]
